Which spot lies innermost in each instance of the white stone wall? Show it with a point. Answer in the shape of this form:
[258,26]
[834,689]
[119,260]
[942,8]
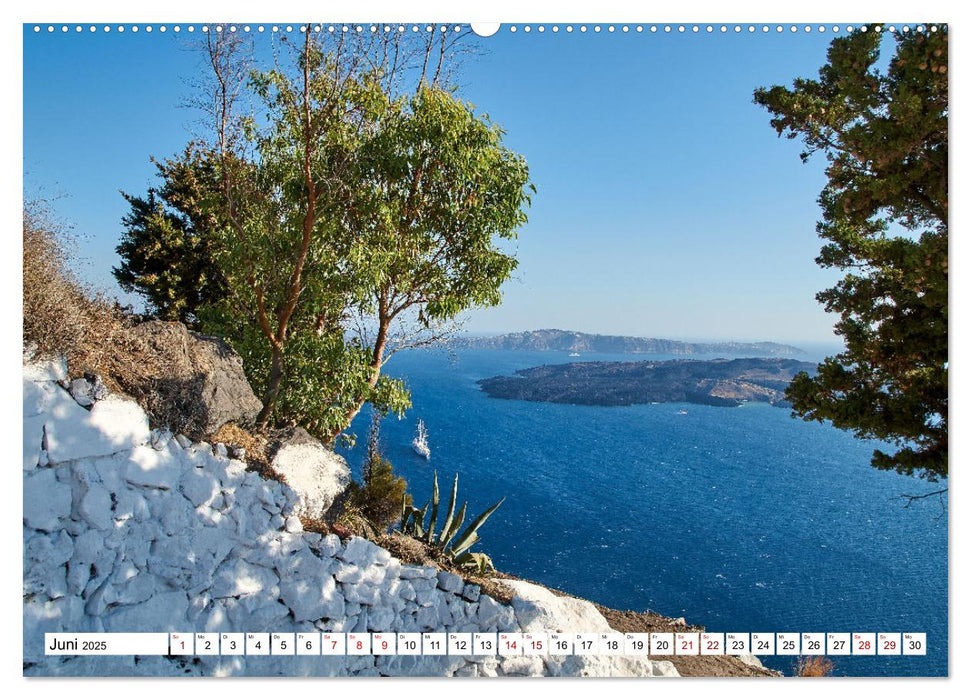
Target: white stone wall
[128,530]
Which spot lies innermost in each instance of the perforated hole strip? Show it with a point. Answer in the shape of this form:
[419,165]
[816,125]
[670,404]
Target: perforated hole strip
[488,30]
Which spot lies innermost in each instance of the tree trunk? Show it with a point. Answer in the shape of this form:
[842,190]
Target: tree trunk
[272,389]
[377,360]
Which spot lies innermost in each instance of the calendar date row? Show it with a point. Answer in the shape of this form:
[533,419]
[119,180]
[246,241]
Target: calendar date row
[491,643]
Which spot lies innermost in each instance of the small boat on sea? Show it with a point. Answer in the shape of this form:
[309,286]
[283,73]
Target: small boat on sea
[420,443]
[682,412]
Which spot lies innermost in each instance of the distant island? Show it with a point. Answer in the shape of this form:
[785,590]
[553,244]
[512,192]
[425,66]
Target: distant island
[574,341]
[711,382]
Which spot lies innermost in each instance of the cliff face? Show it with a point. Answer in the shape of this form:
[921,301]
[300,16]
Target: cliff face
[573,341]
[128,529]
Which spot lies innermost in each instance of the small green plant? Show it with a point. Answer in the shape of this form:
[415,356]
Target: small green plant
[377,500]
[476,562]
[448,541]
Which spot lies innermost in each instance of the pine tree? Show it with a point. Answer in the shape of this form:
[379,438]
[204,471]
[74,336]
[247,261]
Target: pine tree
[166,247]
[884,134]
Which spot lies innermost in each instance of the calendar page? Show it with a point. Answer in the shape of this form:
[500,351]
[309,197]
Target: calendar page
[448,349]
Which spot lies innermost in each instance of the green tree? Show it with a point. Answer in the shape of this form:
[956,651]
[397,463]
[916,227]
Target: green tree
[884,219]
[166,248]
[360,221]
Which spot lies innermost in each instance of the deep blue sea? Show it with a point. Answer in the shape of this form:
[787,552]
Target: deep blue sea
[739,519]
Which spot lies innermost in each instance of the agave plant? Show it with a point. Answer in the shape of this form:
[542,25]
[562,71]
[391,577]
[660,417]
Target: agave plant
[448,540]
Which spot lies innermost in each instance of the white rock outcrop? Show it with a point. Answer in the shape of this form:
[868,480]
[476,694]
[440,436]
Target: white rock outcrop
[128,530]
[317,474]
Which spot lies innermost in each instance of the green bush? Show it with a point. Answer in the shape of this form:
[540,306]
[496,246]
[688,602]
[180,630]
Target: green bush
[379,496]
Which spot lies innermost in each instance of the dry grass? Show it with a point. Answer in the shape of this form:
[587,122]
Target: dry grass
[234,435]
[62,316]
[813,667]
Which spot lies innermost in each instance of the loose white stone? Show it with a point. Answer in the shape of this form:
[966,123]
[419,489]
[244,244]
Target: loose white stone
[311,599]
[33,442]
[450,582]
[360,593]
[38,397]
[163,612]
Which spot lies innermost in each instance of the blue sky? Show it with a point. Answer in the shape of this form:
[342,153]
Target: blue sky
[666,205]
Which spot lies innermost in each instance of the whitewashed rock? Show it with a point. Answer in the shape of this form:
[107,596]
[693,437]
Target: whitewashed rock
[381,619]
[522,666]
[538,609]
[240,577]
[146,466]
[315,473]
[39,617]
[360,551]
[199,486]
[38,397]
[33,441]
[46,500]
[163,612]
[363,593]
[96,507]
[311,599]
[112,425]
[418,572]
[86,391]
[489,613]
[450,582]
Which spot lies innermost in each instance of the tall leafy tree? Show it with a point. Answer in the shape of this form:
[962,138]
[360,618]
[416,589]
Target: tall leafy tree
[166,247]
[360,218]
[437,190]
[884,134]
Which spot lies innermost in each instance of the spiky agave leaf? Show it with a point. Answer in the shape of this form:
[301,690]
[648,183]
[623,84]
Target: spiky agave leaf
[409,520]
[404,511]
[469,536]
[430,535]
[420,521]
[446,526]
[454,527]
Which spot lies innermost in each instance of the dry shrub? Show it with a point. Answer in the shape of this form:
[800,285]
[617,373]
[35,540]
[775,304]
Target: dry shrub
[237,436]
[813,667]
[62,316]
[96,336]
